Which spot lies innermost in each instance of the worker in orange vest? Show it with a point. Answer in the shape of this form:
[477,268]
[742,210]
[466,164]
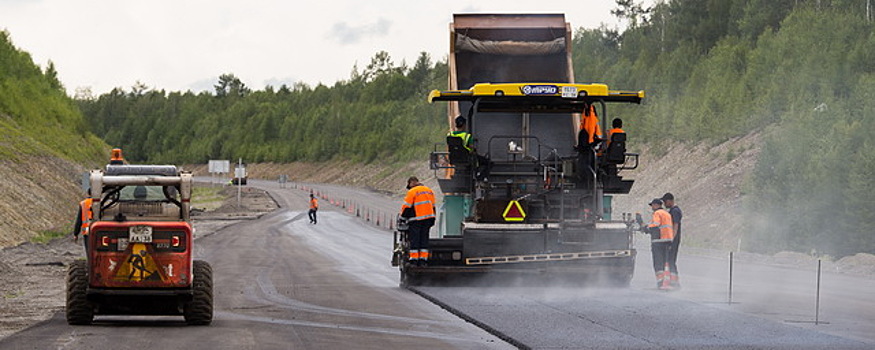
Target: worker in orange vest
[589,124]
[83,220]
[418,209]
[661,235]
[617,128]
[589,136]
[314,206]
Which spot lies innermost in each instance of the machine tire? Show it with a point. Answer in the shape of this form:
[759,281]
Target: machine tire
[199,311]
[80,311]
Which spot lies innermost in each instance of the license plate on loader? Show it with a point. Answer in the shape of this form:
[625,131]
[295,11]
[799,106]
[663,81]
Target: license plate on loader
[140,234]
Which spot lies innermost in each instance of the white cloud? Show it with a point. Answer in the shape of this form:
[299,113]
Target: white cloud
[346,34]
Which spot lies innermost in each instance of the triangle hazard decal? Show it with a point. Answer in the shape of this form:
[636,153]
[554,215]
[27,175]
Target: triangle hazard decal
[514,212]
[139,266]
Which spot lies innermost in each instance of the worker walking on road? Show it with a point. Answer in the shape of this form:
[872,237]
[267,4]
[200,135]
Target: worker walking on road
[419,210]
[676,217]
[314,207]
[83,220]
[661,235]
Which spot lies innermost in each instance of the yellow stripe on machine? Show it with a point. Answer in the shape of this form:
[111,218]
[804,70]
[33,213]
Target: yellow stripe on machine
[595,91]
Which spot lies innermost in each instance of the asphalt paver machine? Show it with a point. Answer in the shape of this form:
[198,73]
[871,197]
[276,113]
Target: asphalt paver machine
[527,199]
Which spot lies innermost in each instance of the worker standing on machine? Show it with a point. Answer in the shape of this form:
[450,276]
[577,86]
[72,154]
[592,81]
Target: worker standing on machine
[676,217]
[83,220]
[419,210]
[314,207]
[589,136]
[661,235]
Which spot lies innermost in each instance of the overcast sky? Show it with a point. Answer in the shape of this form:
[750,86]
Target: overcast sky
[185,45]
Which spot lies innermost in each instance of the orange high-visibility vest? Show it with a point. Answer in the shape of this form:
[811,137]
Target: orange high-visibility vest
[314,203]
[612,132]
[589,121]
[85,208]
[421,199]
[662,219]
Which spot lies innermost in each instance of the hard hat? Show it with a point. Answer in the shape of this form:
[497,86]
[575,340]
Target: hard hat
[460,121]
[655,201]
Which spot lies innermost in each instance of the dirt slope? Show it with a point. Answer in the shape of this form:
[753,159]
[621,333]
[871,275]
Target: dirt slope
[39,195]
[707,182]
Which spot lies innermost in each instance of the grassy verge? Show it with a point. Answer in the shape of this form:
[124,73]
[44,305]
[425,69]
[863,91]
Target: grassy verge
[207,197]
[46,236]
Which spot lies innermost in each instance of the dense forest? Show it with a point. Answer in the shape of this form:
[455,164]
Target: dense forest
[378,114]
[802,72]
[37,118]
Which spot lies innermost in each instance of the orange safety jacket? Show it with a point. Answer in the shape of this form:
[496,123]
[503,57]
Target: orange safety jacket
[589,121]
[421,199]
[662,220]
[612,132]
[314,203]
[85,209]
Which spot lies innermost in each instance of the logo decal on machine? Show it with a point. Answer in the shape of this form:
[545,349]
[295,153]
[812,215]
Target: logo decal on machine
[539,89]
[139,266]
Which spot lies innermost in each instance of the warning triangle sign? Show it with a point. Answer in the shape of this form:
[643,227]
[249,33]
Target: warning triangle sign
[514,212]
[139,266]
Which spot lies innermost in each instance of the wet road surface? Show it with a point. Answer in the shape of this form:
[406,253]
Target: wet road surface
[284,283]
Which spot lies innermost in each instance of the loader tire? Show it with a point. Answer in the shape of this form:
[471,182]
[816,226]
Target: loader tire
[80,311]
[199,311]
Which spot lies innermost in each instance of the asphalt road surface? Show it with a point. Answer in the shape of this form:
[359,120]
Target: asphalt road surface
[284,283]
